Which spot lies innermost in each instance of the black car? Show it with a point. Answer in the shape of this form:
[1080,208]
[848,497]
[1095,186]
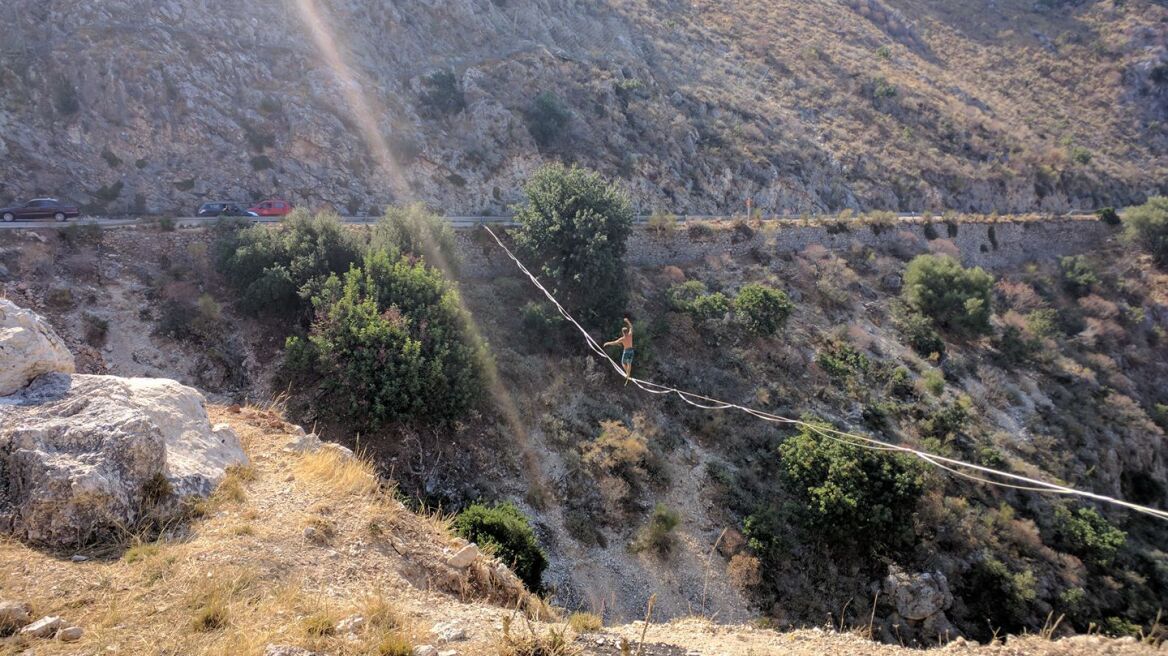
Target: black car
[224,209]
[40,208]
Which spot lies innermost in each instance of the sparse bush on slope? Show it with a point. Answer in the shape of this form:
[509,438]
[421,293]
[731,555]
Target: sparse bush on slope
[1147,226]
[762,309]
[441,94]
[504,529]
[546,118]
[691,297]
[956,299]
[574,225]
[1088,535]
[1078,275]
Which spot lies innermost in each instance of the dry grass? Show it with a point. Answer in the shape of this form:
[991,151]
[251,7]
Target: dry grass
[529,641]
[243,577]
[585,622]
[340,473]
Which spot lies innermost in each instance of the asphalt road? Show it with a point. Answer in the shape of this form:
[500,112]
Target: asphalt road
[455,221]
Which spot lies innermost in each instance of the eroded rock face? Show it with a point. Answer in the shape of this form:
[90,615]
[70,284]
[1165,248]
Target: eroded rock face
[84,456]
[28,348]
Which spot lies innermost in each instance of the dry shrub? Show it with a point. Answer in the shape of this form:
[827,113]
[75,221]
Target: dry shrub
[82,266]
[1101,332]
[945,247]
[531,643]
[335,470]
[906,245]
[744,571]
[585,622]
[1019,296]
[210,600]
[673,274]
[1099,307]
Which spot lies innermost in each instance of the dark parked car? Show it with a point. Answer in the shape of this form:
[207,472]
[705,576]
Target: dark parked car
[40,208]
[223,209]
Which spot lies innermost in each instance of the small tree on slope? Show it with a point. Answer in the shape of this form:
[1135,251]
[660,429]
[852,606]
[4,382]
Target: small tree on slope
[574,226]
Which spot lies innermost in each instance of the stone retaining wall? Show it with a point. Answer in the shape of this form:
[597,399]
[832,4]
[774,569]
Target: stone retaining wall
[991,245]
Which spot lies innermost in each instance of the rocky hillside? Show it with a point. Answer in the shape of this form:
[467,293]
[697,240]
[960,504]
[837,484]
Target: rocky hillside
[992,105]
[1065,385]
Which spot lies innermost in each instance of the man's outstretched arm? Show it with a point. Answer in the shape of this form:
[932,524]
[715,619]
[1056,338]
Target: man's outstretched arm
[629,325]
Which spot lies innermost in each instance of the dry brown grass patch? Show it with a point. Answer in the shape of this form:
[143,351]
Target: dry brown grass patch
[529,642]
[338,473]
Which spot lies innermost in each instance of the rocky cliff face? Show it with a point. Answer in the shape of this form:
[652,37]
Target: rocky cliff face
[142,106]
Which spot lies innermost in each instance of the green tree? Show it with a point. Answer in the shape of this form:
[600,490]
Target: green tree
[441,93]
[389,343]
[955,298]
[276,271]
[574,226]
[415,230]
[1088,535]
[504,529]
[546,118]
[1147,227]
[1078,275]
[762,309]
[851,495]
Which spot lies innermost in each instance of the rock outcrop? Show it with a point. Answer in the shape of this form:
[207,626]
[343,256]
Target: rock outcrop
[85,456]
[28,348]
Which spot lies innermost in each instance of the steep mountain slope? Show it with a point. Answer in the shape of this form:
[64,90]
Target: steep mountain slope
[993,105]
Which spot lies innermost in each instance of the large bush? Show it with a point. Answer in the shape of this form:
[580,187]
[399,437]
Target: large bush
[956,299]
[762,309]
[389,343]
[1078,275]
[574,225]
[691,297]
[996,599]
[546,118]
[1147,226]
[505,530]
[851,495]
[414,230]
[1088,535]
[275,271]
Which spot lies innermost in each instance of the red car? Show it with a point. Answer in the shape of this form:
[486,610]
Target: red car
[272,208]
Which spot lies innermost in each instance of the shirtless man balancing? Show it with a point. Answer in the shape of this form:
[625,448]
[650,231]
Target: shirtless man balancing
[625,340]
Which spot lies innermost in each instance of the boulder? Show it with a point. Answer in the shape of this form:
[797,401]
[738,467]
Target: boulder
[43,628]
[351,624]
[13,615]
[917,596]
[28,348]
[464,557]
[84,456]
[70,634]
[449,631]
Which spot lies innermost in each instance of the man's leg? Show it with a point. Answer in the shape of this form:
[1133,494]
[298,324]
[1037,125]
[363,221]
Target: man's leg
[628,372]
